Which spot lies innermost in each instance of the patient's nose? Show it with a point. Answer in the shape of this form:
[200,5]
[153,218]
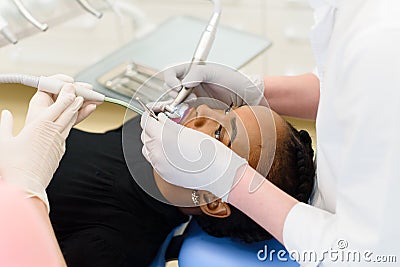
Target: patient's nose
[206,112]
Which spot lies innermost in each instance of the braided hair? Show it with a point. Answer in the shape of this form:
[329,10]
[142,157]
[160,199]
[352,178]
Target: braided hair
[292,171]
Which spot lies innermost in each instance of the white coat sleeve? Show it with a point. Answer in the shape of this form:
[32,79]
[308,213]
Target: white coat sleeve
[308,232]
[360,144]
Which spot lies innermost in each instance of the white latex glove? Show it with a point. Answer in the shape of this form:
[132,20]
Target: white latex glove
[42,100]
[188,158]
[159,106]
[218,82]
[30,159]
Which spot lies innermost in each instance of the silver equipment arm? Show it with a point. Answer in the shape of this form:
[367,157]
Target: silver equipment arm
[85,4]
[29,17]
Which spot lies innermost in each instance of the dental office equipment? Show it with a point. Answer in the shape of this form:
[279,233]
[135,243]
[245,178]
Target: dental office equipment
[6,32]
[124,104]
[28,16]
[85,4]
[133,79]
[151,112]
[201,53]
[49,85]
[120,76]
[53,86]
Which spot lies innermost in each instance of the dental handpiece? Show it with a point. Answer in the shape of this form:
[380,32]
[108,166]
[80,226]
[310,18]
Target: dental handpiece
[28,16]
[200,55]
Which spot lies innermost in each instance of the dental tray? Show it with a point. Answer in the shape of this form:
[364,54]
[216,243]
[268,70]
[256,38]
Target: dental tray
[131,79]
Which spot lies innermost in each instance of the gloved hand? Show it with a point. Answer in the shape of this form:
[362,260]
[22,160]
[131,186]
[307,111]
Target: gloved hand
[30,159]
[218,82]
[42,100]
[188,158]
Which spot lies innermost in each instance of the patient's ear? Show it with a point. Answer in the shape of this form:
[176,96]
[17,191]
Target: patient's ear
[216,208]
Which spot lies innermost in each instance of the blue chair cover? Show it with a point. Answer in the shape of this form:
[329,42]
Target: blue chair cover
[200,249]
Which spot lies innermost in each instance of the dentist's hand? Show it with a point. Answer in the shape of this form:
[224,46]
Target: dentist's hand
[218,82]
[188,158]
[30,159]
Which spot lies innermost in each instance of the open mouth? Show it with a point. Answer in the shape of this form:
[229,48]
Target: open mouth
[181,113]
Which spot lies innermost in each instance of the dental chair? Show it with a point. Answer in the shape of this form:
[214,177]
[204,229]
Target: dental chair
[195,248]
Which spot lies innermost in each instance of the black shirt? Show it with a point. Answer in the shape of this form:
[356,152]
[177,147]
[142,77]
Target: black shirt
[100,215]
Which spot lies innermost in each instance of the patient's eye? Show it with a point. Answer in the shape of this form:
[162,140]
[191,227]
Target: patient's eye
[217,133]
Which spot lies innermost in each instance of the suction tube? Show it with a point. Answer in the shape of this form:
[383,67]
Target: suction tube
[124,104]
[27,80]
[49,85]
[53,86]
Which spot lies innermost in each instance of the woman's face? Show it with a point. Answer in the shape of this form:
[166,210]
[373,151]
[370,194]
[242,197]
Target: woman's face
[248,131]
[228,126]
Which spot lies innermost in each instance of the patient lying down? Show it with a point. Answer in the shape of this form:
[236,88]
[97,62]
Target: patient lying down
[102,215]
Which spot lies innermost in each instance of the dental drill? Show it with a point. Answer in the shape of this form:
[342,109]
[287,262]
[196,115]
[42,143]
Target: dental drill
[53,86]
[28,16]
[6,32]
[201,53]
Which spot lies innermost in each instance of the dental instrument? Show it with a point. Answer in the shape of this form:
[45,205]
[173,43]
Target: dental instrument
[151,112]
[133,79]
[201,53]
[6,32]
[85,4]
[53,86]
[124,104]
[28,16]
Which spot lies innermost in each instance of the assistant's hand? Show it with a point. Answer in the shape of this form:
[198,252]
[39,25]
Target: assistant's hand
[217,82]
[42,100]
[30,159]
[188,158]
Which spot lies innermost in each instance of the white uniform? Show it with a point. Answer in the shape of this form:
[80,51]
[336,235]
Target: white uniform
[356,216]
